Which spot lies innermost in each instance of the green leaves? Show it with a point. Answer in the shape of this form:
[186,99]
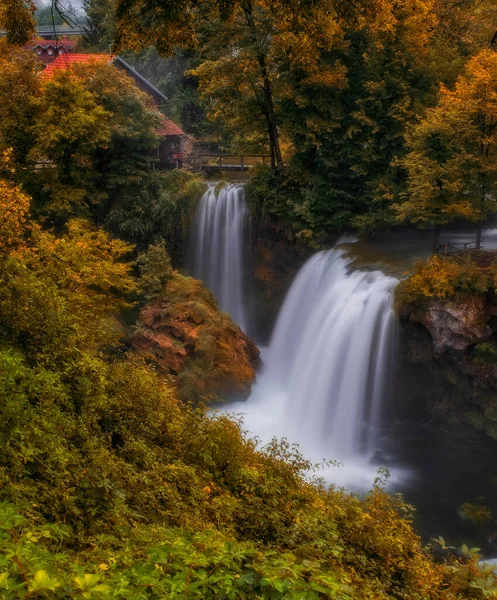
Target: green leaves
[155,270]
[42,582]
[90,585]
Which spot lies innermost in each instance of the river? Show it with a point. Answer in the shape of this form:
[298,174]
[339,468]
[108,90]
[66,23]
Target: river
[326,382]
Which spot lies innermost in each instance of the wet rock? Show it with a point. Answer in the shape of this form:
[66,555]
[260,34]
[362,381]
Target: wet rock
[456,325]
[440,372]
[185,336]
[275,261]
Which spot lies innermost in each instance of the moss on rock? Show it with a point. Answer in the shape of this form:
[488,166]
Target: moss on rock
[187,337]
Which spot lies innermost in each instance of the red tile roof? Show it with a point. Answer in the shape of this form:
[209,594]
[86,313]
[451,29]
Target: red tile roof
[168,128]
[64,62]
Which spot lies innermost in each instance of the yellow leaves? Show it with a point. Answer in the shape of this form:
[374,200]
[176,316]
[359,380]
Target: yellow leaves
[90,585]
[86,268]
[328,77]
[434,279]
[14,210]
[103,567]
[17,18]
[453,160]
[476,92]
[442,278]
[42,583]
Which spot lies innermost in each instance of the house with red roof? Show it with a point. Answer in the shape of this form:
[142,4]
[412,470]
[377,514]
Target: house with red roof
[175,146]
[64,62]
[48,50]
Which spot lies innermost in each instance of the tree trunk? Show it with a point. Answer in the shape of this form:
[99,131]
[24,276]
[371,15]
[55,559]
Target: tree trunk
[272,126]
[478,236]
[269,112]
[436,239]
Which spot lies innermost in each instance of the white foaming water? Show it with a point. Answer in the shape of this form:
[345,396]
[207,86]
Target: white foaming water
[218,241]
[327,369]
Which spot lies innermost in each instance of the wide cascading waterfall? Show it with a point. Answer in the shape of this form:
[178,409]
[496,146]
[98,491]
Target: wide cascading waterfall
[327,370]
[332,351]
[218,242]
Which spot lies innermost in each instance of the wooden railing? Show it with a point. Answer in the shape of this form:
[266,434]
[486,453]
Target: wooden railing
[449,249]
[226,162]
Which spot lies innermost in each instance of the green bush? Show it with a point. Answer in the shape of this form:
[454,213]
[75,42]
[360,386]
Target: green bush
[155,270]
[163,210]
[175,564]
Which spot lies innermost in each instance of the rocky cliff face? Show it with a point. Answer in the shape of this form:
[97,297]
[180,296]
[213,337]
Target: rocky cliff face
[275,260]
[186,336]
[449,363]
[456,325]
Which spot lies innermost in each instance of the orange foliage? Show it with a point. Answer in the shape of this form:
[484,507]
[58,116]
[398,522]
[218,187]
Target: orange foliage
[443,278]
[14,209]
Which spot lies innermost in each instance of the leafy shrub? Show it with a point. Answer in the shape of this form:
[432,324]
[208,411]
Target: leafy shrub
[155,269]
[476,513]
[175,565]
[164,211]
[443,278]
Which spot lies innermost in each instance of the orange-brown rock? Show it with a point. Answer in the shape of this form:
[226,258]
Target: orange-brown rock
[187,337]
[457,324]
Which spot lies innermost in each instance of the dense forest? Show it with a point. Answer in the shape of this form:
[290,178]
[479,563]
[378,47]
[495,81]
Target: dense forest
[116,478]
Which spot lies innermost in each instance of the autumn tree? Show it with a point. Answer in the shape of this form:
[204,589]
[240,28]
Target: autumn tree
[452,162]
[72,285]
[239,80]
[238,85]
[19,84]
[347,111]
[244,34]
[463,29]
[94,131]
[17,18]
[14,208]
[98,31]
[69,129]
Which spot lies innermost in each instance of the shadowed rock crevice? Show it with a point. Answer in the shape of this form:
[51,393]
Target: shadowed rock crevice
[449,365]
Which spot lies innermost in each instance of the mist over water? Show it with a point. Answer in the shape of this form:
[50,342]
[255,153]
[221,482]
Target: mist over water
[218,248]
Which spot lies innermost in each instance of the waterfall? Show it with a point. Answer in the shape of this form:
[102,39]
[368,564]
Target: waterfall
[327,369]
[331,353]
[218,242]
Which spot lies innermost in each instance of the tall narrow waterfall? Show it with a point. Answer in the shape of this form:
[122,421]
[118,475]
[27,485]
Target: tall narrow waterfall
[218,242]
[327,368]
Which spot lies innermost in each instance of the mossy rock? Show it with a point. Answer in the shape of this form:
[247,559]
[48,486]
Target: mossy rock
[187,337]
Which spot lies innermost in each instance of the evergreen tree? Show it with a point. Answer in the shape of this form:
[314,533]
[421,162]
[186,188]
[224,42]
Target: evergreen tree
[98,32]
